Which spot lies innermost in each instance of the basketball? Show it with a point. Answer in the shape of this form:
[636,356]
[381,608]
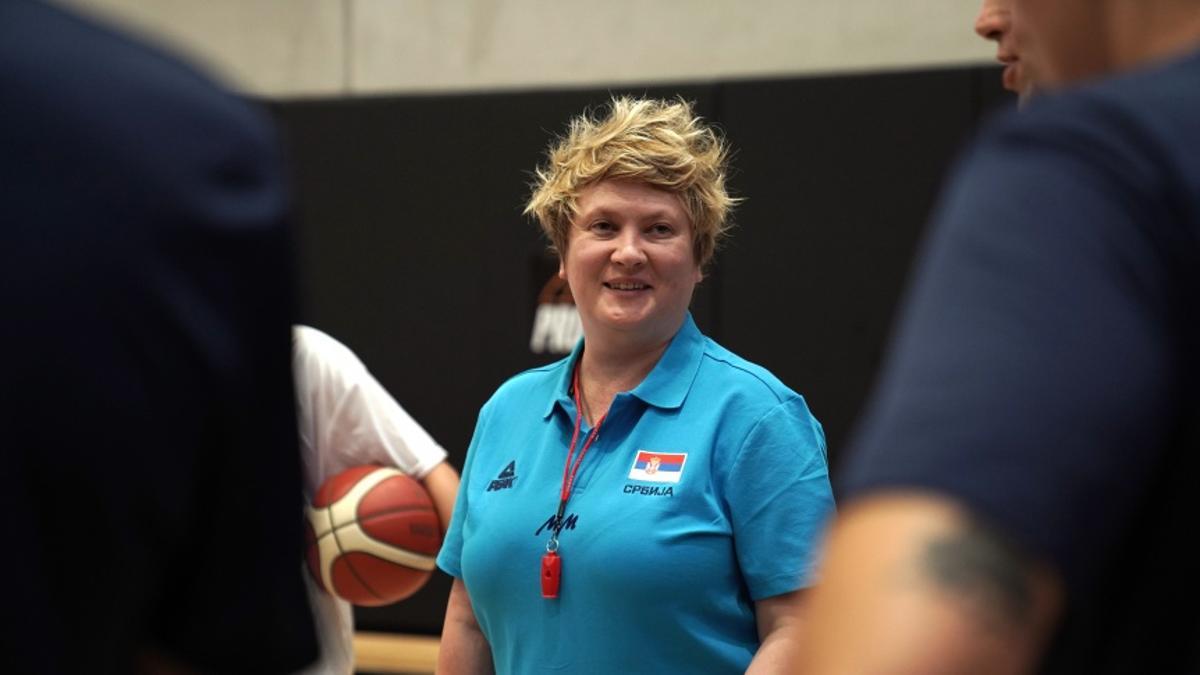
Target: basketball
[372,535]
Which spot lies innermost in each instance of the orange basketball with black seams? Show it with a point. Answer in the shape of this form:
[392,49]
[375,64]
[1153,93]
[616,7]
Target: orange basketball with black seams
[373,535]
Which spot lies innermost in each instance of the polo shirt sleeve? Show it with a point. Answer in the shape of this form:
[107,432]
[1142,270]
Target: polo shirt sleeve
[779,499]
[450,557]
[1032,375]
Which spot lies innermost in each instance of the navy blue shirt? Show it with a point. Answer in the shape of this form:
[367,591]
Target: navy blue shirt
[1045,369]
[151,473]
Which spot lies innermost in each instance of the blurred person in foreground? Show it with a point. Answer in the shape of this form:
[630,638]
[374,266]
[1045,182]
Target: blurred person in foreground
[649,503]
[348,419]
[1021,489]
[152,479]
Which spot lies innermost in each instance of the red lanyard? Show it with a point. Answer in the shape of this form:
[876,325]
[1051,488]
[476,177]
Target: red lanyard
[551,561]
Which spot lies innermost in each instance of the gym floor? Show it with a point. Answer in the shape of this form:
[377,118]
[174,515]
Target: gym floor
[394,654]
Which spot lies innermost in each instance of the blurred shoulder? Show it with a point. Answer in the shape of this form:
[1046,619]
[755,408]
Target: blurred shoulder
[82,81]
[1149,116]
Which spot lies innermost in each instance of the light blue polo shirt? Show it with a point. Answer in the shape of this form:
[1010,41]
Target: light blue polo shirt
[661,559]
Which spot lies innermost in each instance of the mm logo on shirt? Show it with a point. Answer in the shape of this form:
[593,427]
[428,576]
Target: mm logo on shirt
[557,524]
[658,467]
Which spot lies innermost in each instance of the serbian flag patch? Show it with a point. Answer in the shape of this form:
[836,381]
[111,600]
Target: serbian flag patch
[658,467]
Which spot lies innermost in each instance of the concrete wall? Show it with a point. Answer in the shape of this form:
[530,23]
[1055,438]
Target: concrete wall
[286,48]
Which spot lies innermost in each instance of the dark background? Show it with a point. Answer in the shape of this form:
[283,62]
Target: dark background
[414,252]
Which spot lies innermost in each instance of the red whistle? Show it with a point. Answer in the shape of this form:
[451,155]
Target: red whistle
[551,573]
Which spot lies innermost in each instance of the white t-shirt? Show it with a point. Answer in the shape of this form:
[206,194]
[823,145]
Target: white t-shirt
[347,419]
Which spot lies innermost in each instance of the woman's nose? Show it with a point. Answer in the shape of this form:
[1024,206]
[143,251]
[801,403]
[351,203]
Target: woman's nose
[629,251]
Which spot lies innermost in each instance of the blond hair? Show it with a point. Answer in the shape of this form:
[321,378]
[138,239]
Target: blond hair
[660,143]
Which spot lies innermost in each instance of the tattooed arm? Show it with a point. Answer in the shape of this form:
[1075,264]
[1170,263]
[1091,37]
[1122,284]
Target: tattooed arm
[911,585]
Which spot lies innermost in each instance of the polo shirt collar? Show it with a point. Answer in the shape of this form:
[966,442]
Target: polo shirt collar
[666,386]
[562,388]
[668,383]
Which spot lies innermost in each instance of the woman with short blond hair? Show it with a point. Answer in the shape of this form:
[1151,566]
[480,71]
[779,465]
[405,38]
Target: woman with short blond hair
[649,503]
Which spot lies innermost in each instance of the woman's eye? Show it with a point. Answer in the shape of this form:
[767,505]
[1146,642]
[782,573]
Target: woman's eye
[602,226]
[662,230]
